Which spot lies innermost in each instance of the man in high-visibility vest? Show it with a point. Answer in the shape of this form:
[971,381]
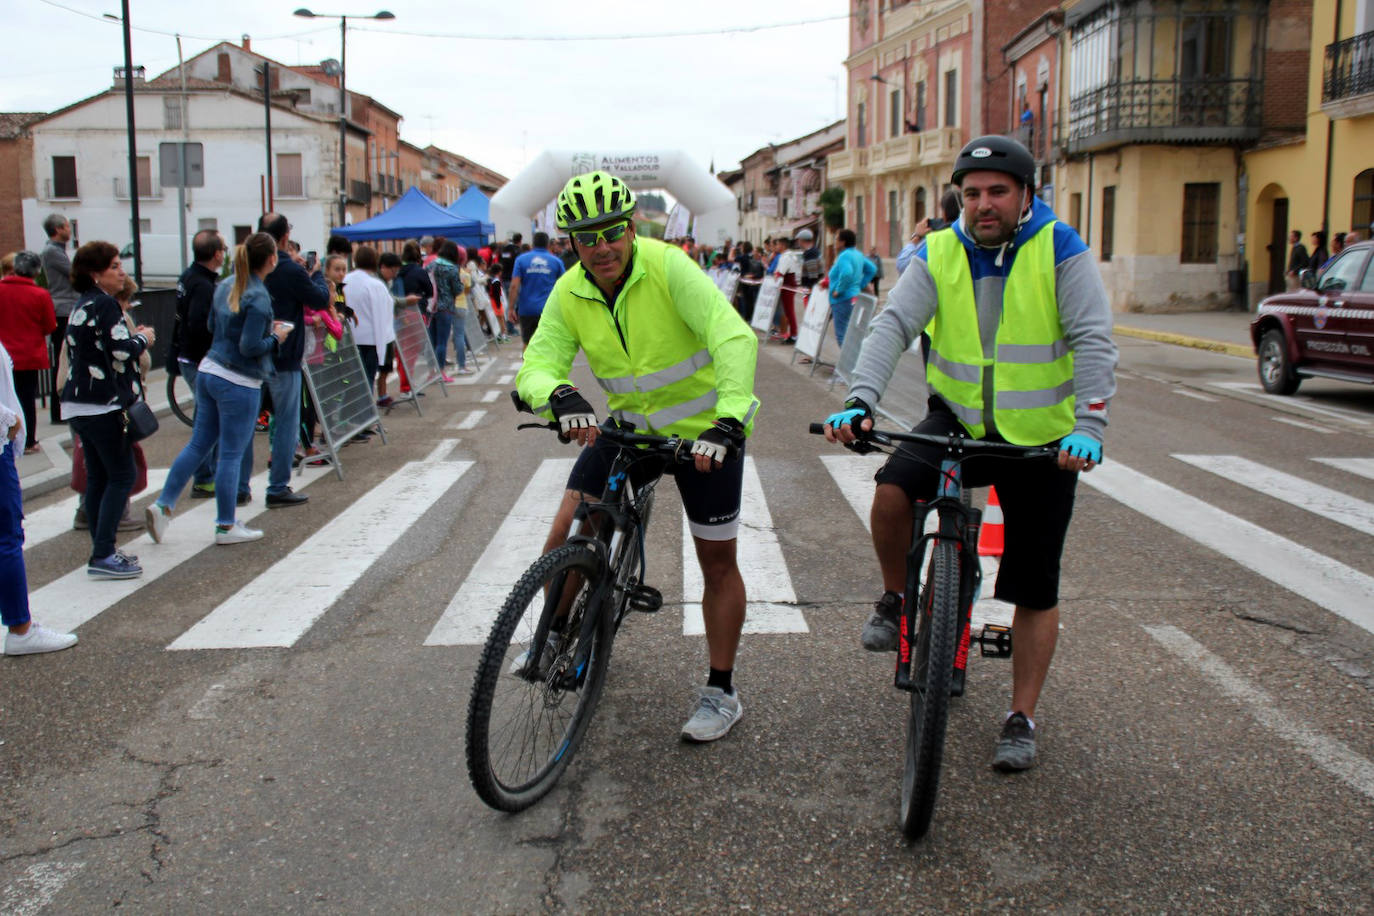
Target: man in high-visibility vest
[1021,352]
[674,358]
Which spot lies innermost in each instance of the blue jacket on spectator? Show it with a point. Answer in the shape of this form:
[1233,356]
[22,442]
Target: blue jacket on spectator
[850,273]
[244,341]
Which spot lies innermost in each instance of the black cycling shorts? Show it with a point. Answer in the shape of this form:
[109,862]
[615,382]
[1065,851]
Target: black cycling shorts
[1035,495]
[711,501]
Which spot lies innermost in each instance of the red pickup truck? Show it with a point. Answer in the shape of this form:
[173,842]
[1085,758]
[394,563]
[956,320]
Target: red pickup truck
[1324,329]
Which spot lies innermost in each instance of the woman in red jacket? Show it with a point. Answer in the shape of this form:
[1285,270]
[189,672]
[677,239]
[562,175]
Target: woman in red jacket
[26,320]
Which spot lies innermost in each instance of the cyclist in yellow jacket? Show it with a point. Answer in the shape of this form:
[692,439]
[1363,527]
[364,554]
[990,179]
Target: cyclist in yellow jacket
[1021,352]
[673,358]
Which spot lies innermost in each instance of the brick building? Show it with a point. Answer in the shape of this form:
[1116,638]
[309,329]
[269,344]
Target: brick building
[16,175]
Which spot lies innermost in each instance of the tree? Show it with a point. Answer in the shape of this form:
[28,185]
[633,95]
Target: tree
[832,208]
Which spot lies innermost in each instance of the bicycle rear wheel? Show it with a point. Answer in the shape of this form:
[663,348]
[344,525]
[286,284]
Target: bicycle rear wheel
[177,391]
[937,634]
[523,731]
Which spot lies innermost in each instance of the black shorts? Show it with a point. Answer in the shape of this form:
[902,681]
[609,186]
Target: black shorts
[387,360]
[711,501]
[1035,495]
[528,324]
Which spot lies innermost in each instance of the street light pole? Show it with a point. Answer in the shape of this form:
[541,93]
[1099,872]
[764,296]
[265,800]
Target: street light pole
[343,96]
[133,145]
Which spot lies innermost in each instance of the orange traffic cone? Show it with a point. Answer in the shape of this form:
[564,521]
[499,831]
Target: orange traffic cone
[990,534]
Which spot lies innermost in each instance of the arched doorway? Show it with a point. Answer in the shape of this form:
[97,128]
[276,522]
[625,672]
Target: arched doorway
[710,202]
[1271,224]
[1362,204]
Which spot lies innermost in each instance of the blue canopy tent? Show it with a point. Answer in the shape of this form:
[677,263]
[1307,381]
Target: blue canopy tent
[473,204]
[410,217]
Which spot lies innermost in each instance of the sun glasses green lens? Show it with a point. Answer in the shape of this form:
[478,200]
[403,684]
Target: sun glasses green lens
[589,239]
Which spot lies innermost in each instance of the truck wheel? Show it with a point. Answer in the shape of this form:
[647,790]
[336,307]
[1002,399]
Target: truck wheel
[1275,369]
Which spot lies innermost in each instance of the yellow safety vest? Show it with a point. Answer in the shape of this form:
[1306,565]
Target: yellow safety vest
[1033,399]
[652,353]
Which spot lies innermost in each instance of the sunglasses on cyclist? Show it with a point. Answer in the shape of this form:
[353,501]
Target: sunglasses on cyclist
[588,238]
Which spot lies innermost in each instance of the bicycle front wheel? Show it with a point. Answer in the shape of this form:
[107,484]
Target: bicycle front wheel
[181,397]
[526,718]
[932,661]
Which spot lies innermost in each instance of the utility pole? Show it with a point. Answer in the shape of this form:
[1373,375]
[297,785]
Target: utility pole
[133,146]
[181,155]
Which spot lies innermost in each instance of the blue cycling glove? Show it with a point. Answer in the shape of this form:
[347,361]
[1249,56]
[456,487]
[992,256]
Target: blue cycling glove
[854,411]
[1081,446]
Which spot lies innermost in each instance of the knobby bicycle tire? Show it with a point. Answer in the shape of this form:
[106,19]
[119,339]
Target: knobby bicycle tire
[932,662]
[521,733]
[174,382]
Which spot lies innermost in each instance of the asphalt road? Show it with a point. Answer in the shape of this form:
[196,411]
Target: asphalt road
[1204,734]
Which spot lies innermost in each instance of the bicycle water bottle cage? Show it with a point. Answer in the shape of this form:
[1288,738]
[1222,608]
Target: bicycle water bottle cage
[994,641]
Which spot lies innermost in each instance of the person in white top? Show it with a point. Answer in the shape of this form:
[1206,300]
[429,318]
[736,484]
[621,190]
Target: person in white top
[371,301]
[23,636]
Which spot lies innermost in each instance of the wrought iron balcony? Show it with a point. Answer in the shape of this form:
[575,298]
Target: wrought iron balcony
[359,192]
[1165,111]
[1348,77]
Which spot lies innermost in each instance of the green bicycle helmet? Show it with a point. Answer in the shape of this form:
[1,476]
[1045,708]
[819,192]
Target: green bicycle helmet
[593,198]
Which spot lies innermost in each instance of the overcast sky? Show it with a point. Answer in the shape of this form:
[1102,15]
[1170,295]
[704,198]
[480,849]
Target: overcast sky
[462,84]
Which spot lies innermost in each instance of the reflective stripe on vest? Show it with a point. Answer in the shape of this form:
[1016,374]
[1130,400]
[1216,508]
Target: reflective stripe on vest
[1033,396]
[626,384]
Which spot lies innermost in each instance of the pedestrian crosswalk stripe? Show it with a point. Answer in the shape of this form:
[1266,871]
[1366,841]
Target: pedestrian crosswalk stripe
[505,379]
[1302,424]
[279,606]
[465,421]
[51,521]
[489,396]
[1361,466]
[1328,583]
[1308,404]
[772,602]
[518,542]
[1332,504]
[66,603]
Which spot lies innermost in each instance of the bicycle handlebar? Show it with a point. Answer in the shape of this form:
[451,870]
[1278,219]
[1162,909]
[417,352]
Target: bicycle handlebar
[951,443]
[674,447]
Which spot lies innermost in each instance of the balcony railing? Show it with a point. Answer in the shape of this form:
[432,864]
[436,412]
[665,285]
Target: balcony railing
[121,190]
[290,187]
[359,192]
[940,145]
[1349,74]
[1165,111]
[60,191]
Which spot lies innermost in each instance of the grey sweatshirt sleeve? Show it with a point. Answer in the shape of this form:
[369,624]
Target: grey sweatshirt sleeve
[910,306]
[1086,315]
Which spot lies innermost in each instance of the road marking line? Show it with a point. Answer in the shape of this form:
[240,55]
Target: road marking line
[1361,466]
[1301,424]
[279,606]
[1193,394]
[518,542]
[468,421]
[66,603]
[490,396]
[1315,577]
[773,605]
[441,451]
[1306,402]
[506,379]
[37,887]
[1331,504]
[1328,753]
[52,521]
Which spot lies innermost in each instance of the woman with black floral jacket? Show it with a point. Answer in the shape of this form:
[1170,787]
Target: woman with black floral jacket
[103,380]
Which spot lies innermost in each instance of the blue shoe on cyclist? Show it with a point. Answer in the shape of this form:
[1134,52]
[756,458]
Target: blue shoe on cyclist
[1016,745]
[880,633]
[715,713]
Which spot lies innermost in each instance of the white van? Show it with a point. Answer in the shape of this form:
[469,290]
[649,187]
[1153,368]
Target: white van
[161,259]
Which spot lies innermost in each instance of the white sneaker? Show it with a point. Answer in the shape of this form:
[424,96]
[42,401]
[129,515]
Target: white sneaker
[155,518]
[238,534]
[551,644]
[715,714]
[38,639]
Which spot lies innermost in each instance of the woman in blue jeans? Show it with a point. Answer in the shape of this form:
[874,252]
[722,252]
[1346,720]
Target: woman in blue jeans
[228,389]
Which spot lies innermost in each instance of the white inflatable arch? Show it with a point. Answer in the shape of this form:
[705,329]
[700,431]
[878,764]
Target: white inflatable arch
[710,202]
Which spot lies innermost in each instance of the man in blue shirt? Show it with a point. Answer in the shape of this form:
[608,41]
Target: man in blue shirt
[850,273]
[535,273]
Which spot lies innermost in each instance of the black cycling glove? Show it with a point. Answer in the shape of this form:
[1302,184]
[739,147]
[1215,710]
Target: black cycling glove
[722,440]
[571,409]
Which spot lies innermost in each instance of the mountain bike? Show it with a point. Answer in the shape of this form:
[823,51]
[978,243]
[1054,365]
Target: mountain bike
[544,664]
[934,631]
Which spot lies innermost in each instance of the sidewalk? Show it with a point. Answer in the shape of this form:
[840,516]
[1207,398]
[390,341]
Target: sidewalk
[51,468]
[1221,332]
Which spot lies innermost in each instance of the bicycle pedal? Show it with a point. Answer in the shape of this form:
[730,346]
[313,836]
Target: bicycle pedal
[994,641]
[645,599]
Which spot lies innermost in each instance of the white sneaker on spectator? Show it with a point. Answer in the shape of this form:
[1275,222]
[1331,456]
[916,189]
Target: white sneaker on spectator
[37,640]
[156,517]
[238,534]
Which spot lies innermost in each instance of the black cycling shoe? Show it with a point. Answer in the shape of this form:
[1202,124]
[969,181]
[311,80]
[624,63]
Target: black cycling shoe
[880,633]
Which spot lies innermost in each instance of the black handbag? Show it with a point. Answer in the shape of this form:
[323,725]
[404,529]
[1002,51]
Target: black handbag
[139,421]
